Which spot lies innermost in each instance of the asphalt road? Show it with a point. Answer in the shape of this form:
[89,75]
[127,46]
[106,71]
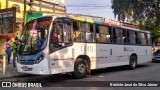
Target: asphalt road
[146,72]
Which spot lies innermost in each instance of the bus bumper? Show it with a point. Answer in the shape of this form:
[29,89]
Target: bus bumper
[41,68]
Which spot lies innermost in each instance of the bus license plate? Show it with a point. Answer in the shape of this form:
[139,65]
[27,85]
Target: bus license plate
[24,68]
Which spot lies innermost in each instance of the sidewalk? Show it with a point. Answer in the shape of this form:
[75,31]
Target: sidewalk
[10,72]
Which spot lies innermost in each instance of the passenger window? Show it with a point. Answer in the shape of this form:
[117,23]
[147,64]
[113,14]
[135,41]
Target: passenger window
[82,32]
[119,35]
[102,34]
[132,37]
[149,39]
[60,36]
[90,34]
[142,37]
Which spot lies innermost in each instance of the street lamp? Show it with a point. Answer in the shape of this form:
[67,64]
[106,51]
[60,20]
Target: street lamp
[24,14]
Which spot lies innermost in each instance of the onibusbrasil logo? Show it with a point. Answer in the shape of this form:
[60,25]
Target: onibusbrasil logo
[21,84]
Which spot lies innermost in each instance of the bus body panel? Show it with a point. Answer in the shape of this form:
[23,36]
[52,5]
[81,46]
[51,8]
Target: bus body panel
[30,67]
[61,61]
[143,54]
[101,55]
[41,68]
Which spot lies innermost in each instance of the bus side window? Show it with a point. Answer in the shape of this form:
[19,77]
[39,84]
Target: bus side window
[78,36]
[127,32]
[54,33]
[142,38]
[140,35]
[60,33]
[90,34]
[136,37]
[132,37]
[67,34]
[114,36]
[98,37]
[149,39]
[76,31]
[83,29]
[54,37]
[124,36]
[104,33]
[145,39]
[119,35]
[79,31]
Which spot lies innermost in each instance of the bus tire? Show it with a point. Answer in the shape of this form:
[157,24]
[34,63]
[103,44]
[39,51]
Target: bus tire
[80,68]
[133,62]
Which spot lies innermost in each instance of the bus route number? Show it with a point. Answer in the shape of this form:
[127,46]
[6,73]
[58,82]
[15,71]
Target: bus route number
[87,48]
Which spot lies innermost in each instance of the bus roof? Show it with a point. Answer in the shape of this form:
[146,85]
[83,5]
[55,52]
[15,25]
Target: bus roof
[96,20]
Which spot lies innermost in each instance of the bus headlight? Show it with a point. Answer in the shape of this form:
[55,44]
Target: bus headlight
[40,58]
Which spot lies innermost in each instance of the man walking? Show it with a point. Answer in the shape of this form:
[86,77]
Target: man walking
[14,48]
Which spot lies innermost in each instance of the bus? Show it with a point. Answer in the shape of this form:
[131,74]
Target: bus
[57,44]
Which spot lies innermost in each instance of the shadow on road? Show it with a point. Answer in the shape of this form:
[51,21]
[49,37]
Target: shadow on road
[65,76]
[115,69]
[58,78]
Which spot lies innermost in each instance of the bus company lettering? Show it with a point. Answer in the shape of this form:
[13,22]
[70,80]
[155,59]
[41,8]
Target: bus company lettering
[87,48]
[128,48]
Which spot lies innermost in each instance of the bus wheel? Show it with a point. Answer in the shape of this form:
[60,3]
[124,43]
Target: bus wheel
[133,62]
[80,68]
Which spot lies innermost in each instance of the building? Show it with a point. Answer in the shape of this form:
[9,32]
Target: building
[56,6]
[51,6]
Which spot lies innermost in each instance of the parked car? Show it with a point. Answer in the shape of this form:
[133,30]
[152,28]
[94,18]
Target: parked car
[156,56]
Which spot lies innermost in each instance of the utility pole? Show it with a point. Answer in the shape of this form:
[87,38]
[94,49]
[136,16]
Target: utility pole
[31,4]
[24,14]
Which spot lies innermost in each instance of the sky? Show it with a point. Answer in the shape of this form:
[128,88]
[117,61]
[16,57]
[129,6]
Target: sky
[100,8]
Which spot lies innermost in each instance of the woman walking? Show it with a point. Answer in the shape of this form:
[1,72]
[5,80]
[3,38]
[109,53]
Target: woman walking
[8,50]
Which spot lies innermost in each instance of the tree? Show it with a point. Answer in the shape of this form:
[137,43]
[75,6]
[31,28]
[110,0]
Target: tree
[145,13]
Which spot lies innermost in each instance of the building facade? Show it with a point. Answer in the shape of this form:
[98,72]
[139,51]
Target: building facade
[23,6]
[37,5]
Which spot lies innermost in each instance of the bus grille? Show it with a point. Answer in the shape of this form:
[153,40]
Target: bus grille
[27,62]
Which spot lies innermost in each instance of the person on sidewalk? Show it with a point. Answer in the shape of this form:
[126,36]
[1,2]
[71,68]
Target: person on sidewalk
[14,49]
[8,50]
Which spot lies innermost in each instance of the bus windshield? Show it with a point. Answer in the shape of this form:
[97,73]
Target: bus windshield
[34,36]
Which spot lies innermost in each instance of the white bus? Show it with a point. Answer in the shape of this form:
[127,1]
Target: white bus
[60,44]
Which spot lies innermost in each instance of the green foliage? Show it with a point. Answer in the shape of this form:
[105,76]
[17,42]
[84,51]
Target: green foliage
[145,13]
